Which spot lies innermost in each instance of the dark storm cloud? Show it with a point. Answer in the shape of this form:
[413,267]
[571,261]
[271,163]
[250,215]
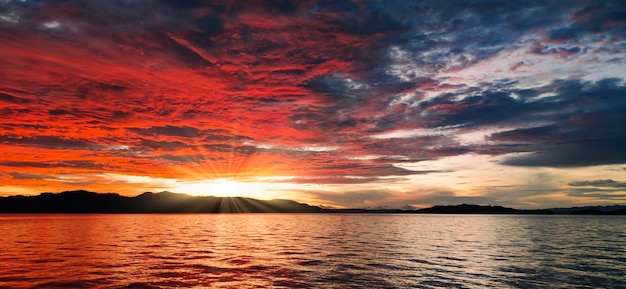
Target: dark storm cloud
[582,120]
[564,33]
[282,6]
[575,154]
[429,36]
[187,54]
[209,24]
[483,108]
[587,125]
[370,21]
[593,18]
[438,39]
[335,85]
[183,4]
[456,34]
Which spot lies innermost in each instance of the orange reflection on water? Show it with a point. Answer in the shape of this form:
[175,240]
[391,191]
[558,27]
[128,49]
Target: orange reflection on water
[306,251]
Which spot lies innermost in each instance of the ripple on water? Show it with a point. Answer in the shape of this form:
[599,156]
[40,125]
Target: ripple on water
[309,263]
[140,285]
[48,260]
[313,251]
[75,284]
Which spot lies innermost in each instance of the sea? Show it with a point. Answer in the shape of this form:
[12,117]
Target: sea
[312,251]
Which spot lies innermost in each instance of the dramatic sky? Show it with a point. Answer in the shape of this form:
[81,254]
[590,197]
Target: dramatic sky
[337,103]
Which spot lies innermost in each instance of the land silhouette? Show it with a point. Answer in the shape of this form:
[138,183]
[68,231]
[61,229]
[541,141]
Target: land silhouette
[166,202]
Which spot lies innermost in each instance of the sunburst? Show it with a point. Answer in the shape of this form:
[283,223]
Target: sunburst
[221,187]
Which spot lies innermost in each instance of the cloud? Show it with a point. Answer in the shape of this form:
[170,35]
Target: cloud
[56,164]
[599,183]
[12,99]
[344,180]
[575,154]
[584,122]
[28,176]
[533,134]
[163,145]
[46,141]
[183,159]
[168,130]
[227,148]
[598,193]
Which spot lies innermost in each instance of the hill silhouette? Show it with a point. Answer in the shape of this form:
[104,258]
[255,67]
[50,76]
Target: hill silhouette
[166,202]
[477,209]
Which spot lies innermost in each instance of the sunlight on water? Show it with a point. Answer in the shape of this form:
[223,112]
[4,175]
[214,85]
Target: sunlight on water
[311,251]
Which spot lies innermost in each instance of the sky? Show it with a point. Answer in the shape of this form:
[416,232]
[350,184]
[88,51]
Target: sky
[363,104]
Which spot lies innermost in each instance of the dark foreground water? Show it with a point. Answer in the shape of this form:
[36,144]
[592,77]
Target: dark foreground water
[312,251]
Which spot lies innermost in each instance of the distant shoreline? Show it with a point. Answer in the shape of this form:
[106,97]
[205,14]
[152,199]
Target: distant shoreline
[85,202]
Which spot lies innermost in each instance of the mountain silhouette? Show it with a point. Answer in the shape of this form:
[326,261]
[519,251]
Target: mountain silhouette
[164,202]
[167,202]
[470,209]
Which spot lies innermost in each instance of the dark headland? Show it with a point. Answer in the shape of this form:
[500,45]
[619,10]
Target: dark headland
[84,202]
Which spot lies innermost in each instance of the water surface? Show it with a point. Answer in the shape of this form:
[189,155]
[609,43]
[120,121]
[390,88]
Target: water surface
[312,251]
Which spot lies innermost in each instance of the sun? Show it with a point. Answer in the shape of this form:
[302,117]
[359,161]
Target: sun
[222,187]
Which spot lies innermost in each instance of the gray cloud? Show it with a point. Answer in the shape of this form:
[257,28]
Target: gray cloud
[53,164]
[607,194]
[168,130]
[586,123]
[575,154]
[533,134]
[599,183]
[28,176]
[54,142]
[163,145]
[240,150]
[13,99]
[184,159]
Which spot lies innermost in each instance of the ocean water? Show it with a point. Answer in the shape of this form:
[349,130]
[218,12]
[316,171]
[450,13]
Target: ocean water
[312,251]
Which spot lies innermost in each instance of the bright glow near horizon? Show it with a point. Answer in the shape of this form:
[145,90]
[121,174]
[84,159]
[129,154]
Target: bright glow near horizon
[223,188]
